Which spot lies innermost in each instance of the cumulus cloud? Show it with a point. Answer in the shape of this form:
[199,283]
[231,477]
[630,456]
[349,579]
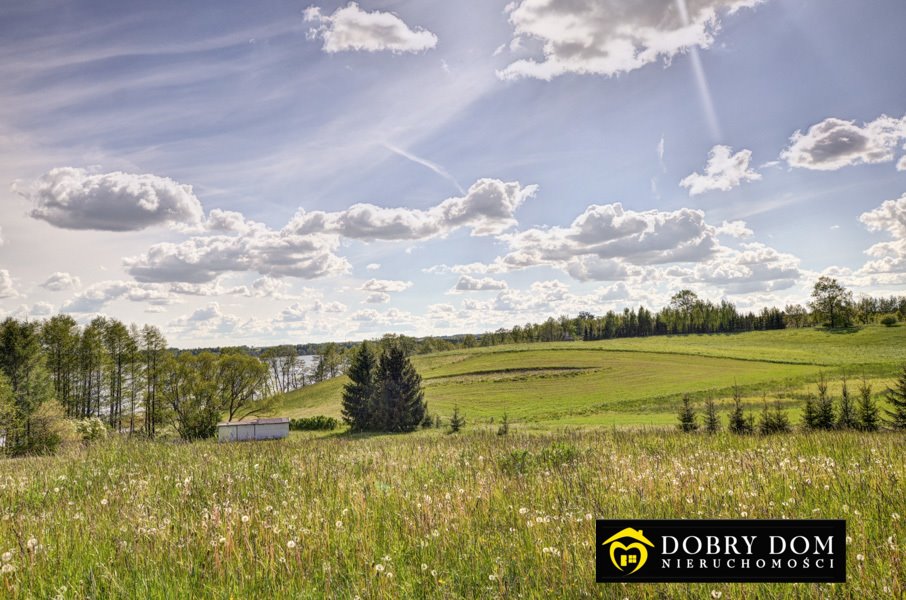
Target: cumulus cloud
[93,298]
[473,284]
[487,208]
[351,28]
[888,258]
[373,266]
[590,37]
[377,298]
[73,198]
[723,172]
[61,281]
[385,285]
[737,229]
[835,143]
[7,287]
[753,268]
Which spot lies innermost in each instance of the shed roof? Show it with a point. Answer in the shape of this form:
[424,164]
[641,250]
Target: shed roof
[263,421]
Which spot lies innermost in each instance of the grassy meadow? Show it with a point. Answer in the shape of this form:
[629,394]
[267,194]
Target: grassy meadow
[427,515]
[636,381]
[471,515]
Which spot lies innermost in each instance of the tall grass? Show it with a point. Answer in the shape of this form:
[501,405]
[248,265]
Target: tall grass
[426,515]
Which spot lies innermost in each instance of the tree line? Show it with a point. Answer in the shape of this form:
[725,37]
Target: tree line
[123,375]
[821,412]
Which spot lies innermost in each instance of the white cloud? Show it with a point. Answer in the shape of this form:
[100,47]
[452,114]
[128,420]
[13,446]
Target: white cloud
[487,208]
[473,284]
[754,268]
[93,298]
[608,38]
[7,287]
[61,281]
[377,298]
[834,143]
[736,229]
[889,258]
[373,266]
[385,285]
[351,28]
[723,172]
[901,165]
[73,198]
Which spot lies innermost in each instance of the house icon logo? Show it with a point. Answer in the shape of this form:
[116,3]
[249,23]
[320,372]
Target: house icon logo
[632,555]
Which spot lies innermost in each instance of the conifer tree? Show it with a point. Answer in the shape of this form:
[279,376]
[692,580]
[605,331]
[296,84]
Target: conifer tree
[457,421]
[688,420]
[824,417]
[847,418]
[712,419]
[359,393]
[869,420]
[740,423]
[896,396]
[399,402]
[810,413]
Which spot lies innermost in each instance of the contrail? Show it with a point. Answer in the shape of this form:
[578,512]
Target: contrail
[700,79]
[425,163]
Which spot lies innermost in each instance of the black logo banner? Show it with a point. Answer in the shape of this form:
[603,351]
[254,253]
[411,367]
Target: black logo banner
[654,551]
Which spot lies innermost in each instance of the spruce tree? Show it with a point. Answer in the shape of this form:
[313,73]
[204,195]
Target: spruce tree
[739,423]
[869,420]
[504,425]
[824,417]
[688,421]
[712,419]
[359,392]
[399,403]
[896,396]
[457,421]
[810,413]
[847,418]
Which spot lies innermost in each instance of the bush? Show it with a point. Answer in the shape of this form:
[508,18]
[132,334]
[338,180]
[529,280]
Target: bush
[318,423]
[91,429]
[889,321]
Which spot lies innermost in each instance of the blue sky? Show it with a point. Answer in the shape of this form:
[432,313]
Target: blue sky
[277,171]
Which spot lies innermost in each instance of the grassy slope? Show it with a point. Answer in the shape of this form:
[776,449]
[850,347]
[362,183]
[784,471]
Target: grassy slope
[632,381]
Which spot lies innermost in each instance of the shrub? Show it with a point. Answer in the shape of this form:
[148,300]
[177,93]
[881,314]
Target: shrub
[889,321]
[91,429]
[457,421]
[318,423]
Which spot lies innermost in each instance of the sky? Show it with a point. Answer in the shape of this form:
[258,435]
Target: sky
[291,172]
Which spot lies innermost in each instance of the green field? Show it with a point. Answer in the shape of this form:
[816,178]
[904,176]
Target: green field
[427,515]
[635,381]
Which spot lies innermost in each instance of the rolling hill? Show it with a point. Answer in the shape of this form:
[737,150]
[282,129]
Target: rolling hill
[636,381]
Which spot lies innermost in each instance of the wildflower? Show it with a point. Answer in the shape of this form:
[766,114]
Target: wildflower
[291,544]
[386,558]
[245,518]
[7,568]
[389,575]
[492,577]
[339,524]
[424,567]
[32,543]
[433,573]
[523,510]
[716,594]
[860,557]
[379,568]
[222,540]
[895,516]
[7,556]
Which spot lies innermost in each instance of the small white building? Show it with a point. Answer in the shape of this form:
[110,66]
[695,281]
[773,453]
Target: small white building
[257,429]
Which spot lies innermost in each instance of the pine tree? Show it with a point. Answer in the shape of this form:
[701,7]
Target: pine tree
[740,423]
[824,416]
[712,419]
[810,413]
[869,420]
[457,421]
[359,393]
[773,419]
[896,396]
[399,403]
[504,425]
[847,417]
[688,420]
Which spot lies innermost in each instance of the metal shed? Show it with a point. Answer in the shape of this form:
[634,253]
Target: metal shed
[257,429]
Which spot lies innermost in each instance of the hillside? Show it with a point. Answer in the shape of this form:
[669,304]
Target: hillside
[634,381]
